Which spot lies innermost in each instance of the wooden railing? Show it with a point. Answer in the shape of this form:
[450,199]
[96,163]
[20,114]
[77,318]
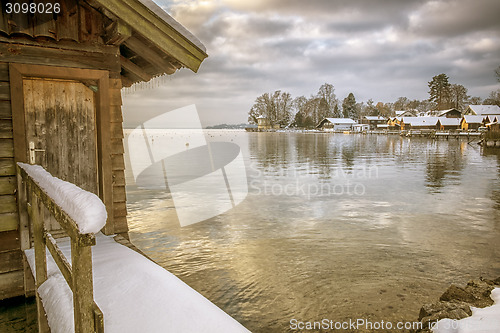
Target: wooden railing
[33,201]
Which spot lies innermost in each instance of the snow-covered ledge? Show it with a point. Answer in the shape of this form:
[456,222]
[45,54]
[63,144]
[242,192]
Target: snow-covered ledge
[85,208]
[134,294]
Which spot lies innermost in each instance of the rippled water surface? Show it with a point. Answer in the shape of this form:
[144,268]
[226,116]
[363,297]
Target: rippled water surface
[334,226]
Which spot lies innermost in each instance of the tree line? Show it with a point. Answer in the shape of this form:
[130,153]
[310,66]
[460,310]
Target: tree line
[281,109]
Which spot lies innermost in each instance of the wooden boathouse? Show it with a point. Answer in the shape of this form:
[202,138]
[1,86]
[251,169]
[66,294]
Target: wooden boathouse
[61,76]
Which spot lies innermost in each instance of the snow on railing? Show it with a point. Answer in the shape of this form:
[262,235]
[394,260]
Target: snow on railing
[81,214]
[85,208]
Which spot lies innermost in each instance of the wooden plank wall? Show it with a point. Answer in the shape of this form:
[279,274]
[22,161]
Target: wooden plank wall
[117,151]
[11,267]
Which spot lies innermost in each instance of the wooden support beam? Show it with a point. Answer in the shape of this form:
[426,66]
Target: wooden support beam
[134,69]
[117,32]
[149,55]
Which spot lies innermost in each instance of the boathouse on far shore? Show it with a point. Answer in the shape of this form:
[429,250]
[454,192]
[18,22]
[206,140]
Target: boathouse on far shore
[61,76]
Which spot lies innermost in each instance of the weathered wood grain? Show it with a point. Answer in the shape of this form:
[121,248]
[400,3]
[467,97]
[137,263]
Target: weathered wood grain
[5,110]
[67,21]
[4,91]
[30,54]
[116,130]
[6,129]
[117,146]
[116,112]
[119,194]
[115,98]
[120,225]
[8,204]
[11,261]
[119,210]
[7,185]
[64,126]
[9,240]
[7,167]
[4,71]
[118,162]
[9,222]
[11,284]
[118,179]
[6,148]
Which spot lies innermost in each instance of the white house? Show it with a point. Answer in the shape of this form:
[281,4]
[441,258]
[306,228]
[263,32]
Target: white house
[336,124]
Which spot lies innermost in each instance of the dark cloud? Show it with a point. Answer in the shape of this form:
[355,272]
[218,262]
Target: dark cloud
[379,49]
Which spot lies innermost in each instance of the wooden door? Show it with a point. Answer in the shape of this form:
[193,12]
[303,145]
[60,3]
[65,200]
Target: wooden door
[64,112]
[61,127]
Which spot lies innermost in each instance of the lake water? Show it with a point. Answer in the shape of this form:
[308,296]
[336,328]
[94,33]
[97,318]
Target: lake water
[334,226]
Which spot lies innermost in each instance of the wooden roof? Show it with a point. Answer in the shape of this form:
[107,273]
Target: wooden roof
[151,42]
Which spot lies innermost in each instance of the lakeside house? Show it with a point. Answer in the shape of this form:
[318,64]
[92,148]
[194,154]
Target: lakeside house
[418,123]
[482,110]
[448,124]
[374,121]
[450,113]
[263,124]
[394,123]
[336,124]
[471,122]
[361,128]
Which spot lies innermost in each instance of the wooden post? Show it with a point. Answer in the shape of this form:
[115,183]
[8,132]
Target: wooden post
[40,253]
[40,257]
[24,233]
[83,291]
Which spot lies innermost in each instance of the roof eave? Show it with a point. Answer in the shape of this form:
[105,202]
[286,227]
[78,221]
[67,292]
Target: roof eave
[162,34]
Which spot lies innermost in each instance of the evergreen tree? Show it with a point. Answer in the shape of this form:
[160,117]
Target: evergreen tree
[349,107]
[440,91]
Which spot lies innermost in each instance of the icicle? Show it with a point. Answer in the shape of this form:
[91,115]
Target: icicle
[154,83]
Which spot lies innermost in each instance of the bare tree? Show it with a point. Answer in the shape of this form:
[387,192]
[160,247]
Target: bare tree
[458,96]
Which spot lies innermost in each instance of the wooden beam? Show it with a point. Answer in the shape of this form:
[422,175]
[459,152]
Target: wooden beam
[63,45]
[117,32]
[134,69]
[36,55]
[156,30]
[149,55]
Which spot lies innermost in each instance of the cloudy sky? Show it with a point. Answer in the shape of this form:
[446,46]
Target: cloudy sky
[378,49]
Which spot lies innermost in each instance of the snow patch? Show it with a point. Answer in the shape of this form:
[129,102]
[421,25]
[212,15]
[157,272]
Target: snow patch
[85,208]
[483,320]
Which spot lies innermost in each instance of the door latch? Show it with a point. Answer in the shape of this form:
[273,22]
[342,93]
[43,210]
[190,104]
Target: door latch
[33,150]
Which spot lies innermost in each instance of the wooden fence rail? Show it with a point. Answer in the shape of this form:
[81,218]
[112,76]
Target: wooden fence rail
[88,318]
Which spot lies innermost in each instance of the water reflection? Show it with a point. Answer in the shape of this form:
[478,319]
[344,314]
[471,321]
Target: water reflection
[427,208]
